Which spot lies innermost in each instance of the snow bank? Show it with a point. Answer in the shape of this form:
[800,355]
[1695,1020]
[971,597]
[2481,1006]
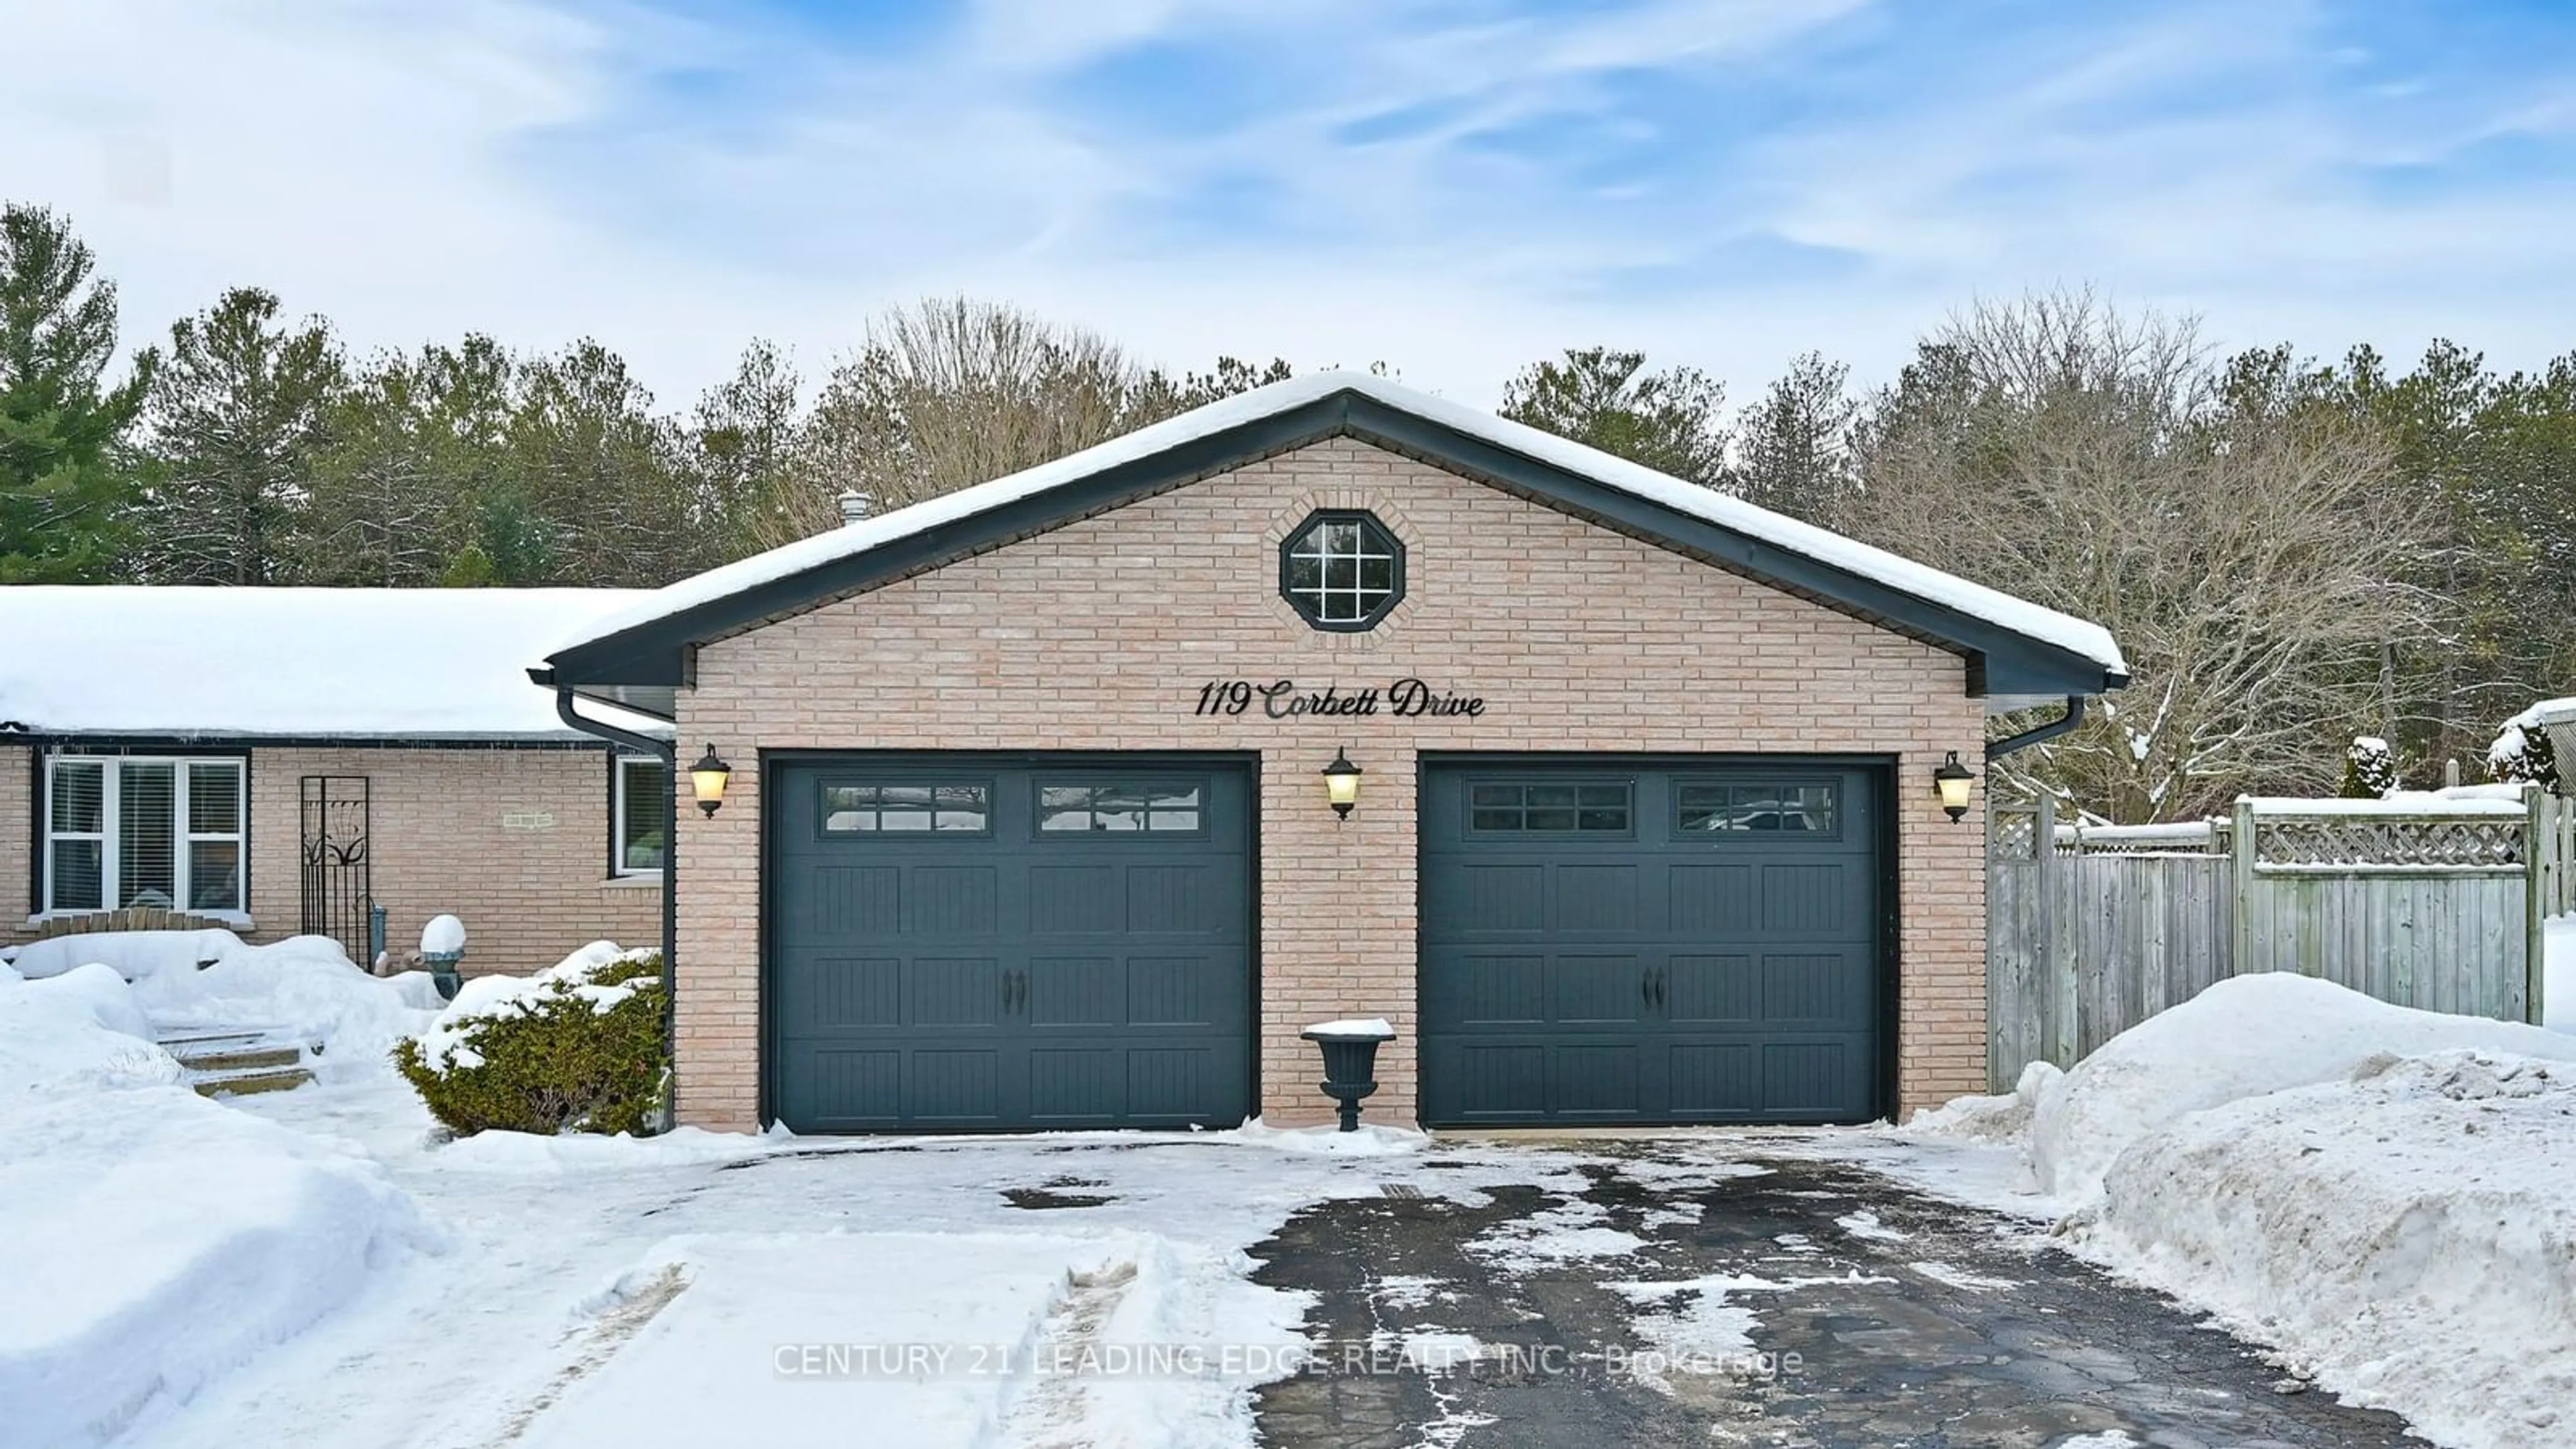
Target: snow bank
[156,1239]
[2243,1037]
[300,989]
[134,954]
[2381,1194]
[537,1155]
[2002,1118]
[2408,1233]
[79,1031]
[487,998]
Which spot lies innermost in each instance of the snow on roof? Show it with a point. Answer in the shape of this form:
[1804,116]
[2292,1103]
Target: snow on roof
[344,663]
[2084,639]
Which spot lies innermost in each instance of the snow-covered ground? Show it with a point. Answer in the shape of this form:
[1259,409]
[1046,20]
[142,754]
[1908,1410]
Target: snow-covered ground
[2386,1196]
[320,1266]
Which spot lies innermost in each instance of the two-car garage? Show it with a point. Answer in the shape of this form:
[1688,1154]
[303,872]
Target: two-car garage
[971,942]
[1669,809]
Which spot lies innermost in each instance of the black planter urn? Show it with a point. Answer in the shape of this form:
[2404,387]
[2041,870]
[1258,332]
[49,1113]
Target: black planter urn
[1350,1062]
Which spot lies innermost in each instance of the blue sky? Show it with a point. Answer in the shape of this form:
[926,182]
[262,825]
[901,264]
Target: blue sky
[1453,187]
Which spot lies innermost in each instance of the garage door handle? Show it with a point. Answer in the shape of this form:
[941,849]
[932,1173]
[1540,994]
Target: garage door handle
[1008,979]
[1659,987]
[1646,987]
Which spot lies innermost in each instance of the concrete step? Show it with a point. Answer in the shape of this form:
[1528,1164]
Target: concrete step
[239,1059]
[179,1043]
[248,1083]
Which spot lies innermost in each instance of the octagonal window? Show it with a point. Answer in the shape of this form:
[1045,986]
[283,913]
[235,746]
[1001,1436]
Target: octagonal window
[1342,570]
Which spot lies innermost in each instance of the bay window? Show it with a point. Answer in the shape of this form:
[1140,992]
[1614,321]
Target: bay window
[134,831]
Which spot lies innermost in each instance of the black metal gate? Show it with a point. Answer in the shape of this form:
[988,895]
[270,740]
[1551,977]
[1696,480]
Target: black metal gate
[338,886]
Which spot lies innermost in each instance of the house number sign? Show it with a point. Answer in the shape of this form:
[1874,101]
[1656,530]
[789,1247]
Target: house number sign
[1282,699]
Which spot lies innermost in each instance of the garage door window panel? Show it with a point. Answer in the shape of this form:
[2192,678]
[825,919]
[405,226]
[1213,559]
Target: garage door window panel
[1165,808]
[906,807]
[1803,809]
[1550,808]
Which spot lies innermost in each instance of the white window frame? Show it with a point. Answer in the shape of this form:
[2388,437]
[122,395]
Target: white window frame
[183,839]
[617,867]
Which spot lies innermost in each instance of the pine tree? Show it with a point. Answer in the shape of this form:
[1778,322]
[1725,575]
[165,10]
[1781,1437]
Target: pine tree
[741,451]
[1666,420]
[62,483]
[235,419]
[1793,449]
[378,512]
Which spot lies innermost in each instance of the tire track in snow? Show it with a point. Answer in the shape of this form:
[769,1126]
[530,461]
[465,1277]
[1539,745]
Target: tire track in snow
[611,1330]
[1053,1410]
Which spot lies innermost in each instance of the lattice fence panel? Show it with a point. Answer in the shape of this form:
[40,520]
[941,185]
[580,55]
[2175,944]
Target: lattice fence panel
[2490,841]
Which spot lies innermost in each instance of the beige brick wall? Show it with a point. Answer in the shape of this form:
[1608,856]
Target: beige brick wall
[514,841]
[1098,635]
[17,837]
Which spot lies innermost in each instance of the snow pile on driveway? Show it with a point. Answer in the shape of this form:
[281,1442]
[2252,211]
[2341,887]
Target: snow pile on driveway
[964,1338]
[2387,1196]
[155,1238]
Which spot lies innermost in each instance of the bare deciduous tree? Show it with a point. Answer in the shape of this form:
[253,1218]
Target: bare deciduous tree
[2251,561]
[952,392]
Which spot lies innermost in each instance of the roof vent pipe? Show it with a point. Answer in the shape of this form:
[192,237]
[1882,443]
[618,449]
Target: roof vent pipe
[855,506]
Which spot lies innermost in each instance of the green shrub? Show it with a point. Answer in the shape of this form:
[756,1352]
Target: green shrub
[543,1057]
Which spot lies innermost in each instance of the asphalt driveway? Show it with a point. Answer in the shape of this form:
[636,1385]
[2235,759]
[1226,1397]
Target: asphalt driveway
[1813,1304]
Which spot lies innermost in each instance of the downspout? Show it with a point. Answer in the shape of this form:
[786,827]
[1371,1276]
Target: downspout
[669,753]
[2074,716]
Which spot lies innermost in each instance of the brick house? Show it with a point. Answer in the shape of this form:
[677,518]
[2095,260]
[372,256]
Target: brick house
[1027,820]
[276,760]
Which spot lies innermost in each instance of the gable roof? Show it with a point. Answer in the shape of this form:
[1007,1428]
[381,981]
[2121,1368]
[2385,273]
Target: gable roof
[371,665]
[2016,648]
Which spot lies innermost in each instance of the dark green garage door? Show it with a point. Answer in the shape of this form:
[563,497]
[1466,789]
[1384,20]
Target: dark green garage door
[1649,945]
[963,944]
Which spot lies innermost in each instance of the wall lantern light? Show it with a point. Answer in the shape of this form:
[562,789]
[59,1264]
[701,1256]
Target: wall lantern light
[707,777]
[1953,780]
[1342,783]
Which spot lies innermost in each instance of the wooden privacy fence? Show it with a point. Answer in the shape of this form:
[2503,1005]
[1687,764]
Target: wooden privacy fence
[2434,904]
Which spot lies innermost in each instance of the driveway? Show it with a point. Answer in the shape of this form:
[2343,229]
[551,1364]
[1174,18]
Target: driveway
[1655,1296]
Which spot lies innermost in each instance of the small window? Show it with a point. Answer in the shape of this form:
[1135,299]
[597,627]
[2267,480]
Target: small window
[873,809]
[1342,570]
[130,831]
[1534,807]
[642,782]
[1169,806]
[1793,809]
